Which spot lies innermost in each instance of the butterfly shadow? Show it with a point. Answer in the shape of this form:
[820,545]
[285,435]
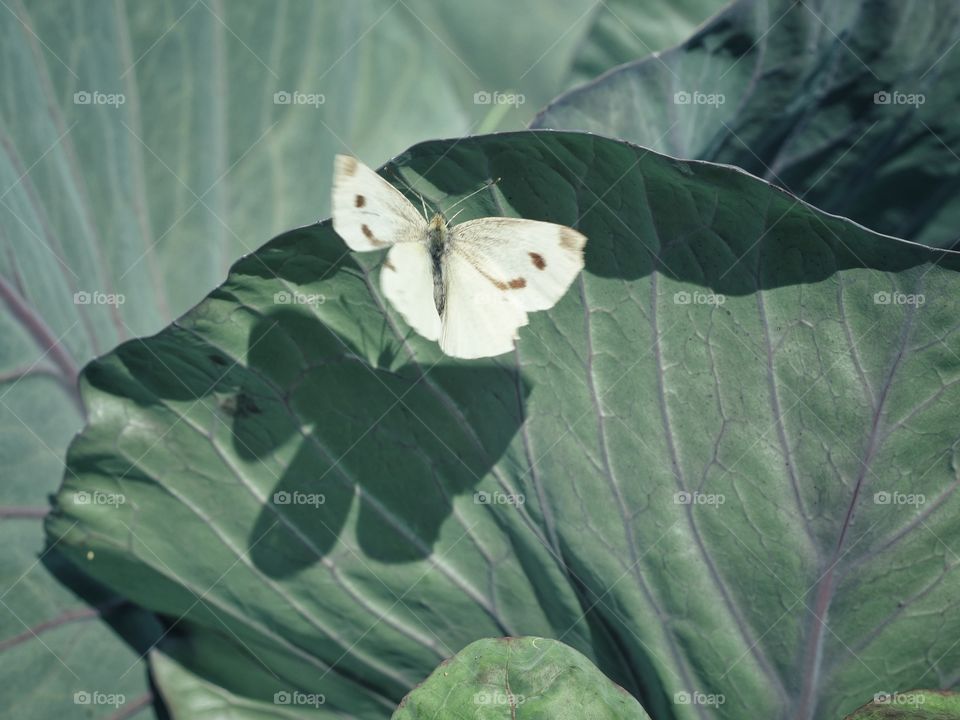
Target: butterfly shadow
[368,453]
[362,453]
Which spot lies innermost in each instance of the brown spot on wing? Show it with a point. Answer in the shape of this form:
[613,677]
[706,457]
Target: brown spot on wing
[389,265]
[514,284]
[360,201]
[538,262]
[571,239]
[348,165]
[368,233]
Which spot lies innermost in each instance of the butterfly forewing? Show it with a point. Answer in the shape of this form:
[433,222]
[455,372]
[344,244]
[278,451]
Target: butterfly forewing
[531,262]
[368,212]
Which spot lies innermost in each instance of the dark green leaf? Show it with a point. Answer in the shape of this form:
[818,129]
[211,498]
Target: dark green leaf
[794,92]
[622,31]
[734,438]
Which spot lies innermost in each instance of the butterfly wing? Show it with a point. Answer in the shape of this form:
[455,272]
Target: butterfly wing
[531,262]
[368,212]
[479,319]
[406,278]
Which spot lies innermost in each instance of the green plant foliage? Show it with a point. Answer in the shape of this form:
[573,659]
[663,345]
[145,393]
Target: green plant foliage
[847,104]
[144,147]
[519,679]
[722,467]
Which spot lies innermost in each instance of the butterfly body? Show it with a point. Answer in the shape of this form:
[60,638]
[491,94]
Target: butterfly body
[468,286]
[437,244]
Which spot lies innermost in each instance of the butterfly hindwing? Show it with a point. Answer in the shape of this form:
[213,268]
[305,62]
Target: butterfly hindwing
[368,212]
[479,319]
[406,278]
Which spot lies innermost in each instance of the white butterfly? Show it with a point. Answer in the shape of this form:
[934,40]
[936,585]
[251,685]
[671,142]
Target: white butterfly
[471,285]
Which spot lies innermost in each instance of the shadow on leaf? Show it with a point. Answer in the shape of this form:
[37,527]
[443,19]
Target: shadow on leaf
[341,437]
[393,446]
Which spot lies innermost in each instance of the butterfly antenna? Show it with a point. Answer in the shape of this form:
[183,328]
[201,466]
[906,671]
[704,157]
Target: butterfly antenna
[409,187]
[455,215]
[486,185]
[424,206]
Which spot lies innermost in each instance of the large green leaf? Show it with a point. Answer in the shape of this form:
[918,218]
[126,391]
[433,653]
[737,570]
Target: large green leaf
[623,31]
[151,199]
[720,434]
[518,678]
[544,47]
[798,83]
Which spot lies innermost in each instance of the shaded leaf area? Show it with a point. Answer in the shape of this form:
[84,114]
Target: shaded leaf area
[69,647]
[722,467]
[514,678]
[849,105]
[911,705]
[239,687]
